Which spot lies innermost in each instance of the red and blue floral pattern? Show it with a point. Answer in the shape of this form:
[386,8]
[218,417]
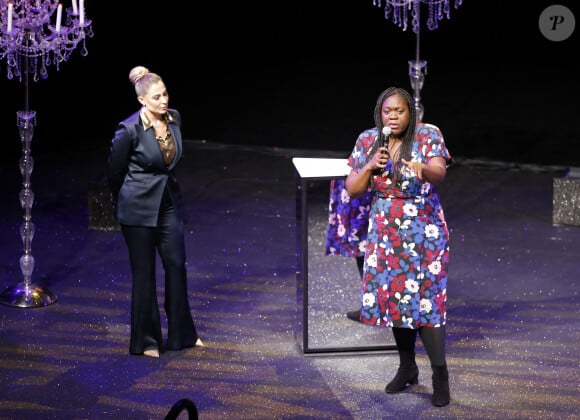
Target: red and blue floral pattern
[348,221]
[407,250]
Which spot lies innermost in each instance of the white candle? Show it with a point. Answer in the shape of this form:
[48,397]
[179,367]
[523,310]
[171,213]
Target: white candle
[10,8]
[58,17]
[81,12]
[75,8]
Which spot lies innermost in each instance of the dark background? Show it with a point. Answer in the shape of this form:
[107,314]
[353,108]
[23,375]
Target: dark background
[306,74]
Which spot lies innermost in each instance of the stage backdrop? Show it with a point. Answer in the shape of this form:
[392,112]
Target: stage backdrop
[306,75]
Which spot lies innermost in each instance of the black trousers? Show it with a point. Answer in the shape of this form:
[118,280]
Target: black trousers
[167,238]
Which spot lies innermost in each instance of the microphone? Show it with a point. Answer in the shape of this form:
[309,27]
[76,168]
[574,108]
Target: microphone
[386,133]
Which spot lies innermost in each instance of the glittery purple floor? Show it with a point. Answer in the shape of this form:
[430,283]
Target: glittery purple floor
[513,303]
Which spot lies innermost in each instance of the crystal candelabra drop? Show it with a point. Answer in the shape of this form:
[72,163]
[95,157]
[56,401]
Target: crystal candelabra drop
[30,43]
[400,11]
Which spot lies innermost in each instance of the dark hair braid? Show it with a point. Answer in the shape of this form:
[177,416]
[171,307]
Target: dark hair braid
[409,133]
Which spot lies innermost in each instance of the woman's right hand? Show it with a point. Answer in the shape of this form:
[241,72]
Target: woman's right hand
[379,159]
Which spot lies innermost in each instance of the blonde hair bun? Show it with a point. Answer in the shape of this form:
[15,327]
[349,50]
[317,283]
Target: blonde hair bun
[137,73]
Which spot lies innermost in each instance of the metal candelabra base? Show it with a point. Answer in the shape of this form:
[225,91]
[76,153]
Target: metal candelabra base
[27,296]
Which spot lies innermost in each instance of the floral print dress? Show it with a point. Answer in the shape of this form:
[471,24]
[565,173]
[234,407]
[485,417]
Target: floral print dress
[407,253]
[348,221]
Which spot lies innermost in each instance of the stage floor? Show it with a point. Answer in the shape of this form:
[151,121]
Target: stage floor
[513,302]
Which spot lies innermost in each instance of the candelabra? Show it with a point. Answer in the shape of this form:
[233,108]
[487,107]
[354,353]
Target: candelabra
[400,12]
[30,43]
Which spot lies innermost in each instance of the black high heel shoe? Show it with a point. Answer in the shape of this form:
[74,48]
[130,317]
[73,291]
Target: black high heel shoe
[405,376]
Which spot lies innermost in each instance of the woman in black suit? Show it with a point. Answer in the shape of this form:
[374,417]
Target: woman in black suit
[140,172]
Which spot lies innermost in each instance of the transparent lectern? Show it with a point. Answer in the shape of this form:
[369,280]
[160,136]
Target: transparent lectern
[327,285]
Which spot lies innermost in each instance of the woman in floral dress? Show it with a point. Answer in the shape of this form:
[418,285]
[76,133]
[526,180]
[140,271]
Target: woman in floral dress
[405,272]
[348,222]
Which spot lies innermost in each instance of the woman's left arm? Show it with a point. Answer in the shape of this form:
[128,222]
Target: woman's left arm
[433,171]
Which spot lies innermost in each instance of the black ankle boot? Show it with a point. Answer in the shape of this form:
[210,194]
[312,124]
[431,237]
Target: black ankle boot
[353,315]
[405,375]
[441,395]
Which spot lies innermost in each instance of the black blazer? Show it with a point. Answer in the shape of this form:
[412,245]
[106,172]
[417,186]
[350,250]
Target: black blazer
[137,174]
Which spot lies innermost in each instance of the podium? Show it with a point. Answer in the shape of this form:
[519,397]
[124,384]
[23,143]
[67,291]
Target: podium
[327,286]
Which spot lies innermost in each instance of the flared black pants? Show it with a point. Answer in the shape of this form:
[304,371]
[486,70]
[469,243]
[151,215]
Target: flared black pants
[167,238]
